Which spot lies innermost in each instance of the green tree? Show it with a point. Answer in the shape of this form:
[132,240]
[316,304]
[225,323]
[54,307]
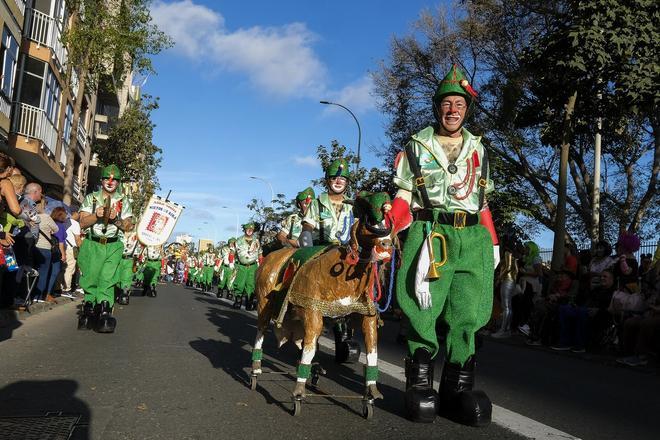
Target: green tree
[130,143]
[105,40]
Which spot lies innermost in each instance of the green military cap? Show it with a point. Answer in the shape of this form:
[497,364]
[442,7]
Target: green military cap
[231,240]
[249,225]
[337,168]
[111,171]
[307,193]
[455,83]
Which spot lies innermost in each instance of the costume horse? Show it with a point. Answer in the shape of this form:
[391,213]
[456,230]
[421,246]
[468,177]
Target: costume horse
[299,287]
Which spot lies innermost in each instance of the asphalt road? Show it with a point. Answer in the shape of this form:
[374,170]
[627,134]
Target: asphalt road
[176,369]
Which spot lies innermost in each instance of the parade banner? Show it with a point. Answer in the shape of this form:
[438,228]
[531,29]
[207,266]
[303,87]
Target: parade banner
[158,221]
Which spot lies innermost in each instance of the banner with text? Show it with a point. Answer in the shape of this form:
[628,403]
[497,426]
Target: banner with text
[158,221]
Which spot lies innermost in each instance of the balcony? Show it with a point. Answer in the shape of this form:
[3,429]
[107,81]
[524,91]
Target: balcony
[82,138]
[46,31]
[21,6]
[76,189]
[5,106]
[32,123]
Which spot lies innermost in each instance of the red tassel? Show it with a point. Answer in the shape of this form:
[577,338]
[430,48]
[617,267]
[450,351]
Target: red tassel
[475,158]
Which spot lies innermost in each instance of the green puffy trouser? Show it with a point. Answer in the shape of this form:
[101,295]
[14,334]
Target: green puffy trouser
[98,266]
[125,273]
[245,279]
[224,277]
[462,296]
[207,275]
[151,272]
[139,275]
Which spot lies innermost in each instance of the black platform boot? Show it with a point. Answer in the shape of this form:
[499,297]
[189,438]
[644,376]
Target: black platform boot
[230,296]
[458,401]
[219,294]
[153,292]
[238,300]
[347,351]
[86,318]
[420,398]
[124,297]
[106,323]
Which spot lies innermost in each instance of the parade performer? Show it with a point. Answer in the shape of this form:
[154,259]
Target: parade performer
[328,220]
[448,256]
[125,272]
[208,261]
[152,269]
[292,225]
[248,251]
[107,215]
[227,270]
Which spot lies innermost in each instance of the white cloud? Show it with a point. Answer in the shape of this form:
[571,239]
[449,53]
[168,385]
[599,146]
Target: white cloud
[358,96]
[307,161]
[279,60]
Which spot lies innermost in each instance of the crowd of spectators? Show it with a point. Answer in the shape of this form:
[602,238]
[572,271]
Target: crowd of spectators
[597,301]
[38,243]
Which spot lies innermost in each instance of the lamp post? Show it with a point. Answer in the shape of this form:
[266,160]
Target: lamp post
[237,219]
[272,193]
[358,126]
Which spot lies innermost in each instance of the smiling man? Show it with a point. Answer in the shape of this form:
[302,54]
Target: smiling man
[106,214]
[448,256]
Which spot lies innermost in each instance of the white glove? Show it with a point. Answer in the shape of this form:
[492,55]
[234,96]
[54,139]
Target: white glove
[231,266]
[422,288]
[496,255]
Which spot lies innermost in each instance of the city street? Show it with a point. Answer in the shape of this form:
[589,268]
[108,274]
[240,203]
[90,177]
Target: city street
[176,369]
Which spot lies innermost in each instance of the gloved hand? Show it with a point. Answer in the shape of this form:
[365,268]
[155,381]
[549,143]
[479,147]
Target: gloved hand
[422,285]
[397,215]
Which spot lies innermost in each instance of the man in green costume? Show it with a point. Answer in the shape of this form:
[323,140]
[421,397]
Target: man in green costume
[328,221]
[107,214]
[292,225]
[248,251]
[227,268]
[125,275]
[152,267]
[448,257]
[208,261]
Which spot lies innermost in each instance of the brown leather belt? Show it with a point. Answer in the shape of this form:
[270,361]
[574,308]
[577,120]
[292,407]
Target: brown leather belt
[457,219]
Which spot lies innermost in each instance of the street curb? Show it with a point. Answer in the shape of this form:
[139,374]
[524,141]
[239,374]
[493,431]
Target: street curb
[11,315]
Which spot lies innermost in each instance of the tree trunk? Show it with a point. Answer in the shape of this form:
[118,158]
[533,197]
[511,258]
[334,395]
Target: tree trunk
[560,216]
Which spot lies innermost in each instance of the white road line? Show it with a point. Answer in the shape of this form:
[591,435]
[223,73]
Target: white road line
[510,420]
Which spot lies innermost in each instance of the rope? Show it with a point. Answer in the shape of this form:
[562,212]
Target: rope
[391,286]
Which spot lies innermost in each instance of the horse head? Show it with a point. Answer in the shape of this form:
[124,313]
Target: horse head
[369,233]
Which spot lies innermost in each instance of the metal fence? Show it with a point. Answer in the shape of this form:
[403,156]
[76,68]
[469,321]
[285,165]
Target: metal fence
[647,247]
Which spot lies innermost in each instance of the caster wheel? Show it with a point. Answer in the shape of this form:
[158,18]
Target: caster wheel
[297,407]
[253,382]
[367,410]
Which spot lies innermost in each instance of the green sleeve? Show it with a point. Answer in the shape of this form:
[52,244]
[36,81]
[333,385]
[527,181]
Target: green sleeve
[404,176]
[312,215]
[87,203]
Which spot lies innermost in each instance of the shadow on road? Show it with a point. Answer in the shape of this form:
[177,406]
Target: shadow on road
[37,408]
[8,323]
[234,357]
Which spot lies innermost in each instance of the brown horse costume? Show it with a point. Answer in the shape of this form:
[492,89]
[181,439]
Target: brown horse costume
[336,281]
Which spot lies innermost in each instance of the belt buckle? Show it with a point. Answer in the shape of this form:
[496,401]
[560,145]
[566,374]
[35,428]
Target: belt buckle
[419,181]
[103,240]
[460,218]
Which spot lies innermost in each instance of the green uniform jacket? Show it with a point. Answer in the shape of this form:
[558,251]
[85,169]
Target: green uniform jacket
[329,227]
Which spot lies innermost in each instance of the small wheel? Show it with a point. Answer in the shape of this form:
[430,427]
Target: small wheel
[367,410]
[297,407]
[253,382]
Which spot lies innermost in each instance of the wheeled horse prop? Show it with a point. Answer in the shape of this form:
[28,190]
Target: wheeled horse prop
[297,288]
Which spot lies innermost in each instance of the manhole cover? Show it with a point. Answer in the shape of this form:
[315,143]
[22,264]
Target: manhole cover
[46,427]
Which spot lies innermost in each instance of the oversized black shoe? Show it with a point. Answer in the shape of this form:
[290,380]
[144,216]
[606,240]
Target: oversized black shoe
[347,351]
[250,304]
[421,401]
[86,318]
[219,294]
[106,323]
[238,301]
[458,401]
[230,296]
[153,292]
[124,297]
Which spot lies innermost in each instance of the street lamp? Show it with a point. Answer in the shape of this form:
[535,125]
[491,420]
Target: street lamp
[237,219]
[272,193]
[358,126]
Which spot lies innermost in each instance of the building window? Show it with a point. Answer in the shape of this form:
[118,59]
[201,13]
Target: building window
[68,122]
[52,97]
[33,82]
[9,49]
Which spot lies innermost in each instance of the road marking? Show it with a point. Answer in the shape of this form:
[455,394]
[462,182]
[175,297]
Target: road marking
[510,420]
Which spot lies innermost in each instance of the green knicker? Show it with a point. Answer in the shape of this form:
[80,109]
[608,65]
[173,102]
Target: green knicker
[245,279]
[151,272]
[125,273]
[207,275]
[225,276]
[98,266]
[462,296]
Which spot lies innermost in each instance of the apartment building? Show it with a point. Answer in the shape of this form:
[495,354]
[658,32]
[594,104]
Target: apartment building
[43,98]
[12,16]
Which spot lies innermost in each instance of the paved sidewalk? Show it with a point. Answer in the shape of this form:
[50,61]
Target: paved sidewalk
[11,318]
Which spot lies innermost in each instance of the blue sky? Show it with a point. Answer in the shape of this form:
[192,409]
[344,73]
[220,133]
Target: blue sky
[239,96]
